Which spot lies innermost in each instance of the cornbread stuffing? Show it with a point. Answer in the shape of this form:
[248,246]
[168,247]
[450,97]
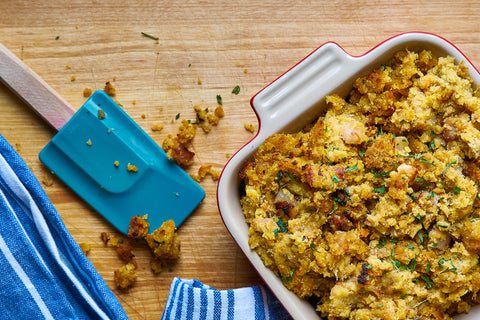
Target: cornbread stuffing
[373,210]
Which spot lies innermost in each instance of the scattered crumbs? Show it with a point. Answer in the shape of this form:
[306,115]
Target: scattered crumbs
[177,194]
[85,248]
[143,116]
[116,163]
[219,99]
[131,168]
[239,64]
[199,81]
[109,89]
[245,70]
[249,127]
[101,114]
[110,130]
[68,67]
[72,78]
[236,90]
[134,102]
[18,146]
[157,127]
[89,142]
[227,155]
[87,92]
[76,27]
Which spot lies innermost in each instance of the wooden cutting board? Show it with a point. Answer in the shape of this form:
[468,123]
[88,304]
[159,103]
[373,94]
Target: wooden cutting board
[204,49]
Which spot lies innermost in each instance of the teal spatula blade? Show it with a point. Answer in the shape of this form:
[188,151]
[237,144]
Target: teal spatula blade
[92,154]
[85,151]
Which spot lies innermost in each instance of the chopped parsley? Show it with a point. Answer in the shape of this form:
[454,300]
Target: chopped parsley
[149,36]
[219,99]
[350,169]
[236,90]
[380,189]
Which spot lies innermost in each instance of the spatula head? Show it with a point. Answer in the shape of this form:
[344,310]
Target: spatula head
[109,161]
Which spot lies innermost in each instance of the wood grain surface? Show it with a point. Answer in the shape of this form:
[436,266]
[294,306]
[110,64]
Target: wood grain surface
[204,49]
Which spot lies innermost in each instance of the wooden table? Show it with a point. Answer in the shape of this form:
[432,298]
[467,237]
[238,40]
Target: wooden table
[205,49]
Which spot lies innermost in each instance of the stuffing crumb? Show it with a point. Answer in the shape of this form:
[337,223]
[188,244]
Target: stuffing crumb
[131,168]
[157,127]
[116,163]
[138,227]
[109,89]
[87,92]
[199,81]
[125,276]
[47,180]
[205,170]
[101,114]
[73,78]
[85,248]
[89,142]
[249,127]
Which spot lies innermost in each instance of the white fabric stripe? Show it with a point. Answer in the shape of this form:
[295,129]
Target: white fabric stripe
[197,304]
[25,279]
[15,184]
[244,300]
[210,302]
[224,297]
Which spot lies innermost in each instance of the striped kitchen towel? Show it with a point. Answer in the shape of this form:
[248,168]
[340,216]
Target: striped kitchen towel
[45,275]
[191,299]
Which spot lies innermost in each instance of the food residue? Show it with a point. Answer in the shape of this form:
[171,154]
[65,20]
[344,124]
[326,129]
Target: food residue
[131,168]
[109,89]
[163,243]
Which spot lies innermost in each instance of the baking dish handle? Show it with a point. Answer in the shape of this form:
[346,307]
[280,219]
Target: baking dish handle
[302,89]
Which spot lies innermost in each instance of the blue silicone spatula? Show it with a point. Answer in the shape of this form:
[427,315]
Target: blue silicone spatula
[103,155]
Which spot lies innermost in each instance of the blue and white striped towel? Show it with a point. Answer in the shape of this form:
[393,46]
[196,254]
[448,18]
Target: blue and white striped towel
[45,275]
[193,300]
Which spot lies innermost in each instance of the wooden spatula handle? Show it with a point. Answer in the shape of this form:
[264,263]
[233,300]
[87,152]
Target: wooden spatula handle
[16,75]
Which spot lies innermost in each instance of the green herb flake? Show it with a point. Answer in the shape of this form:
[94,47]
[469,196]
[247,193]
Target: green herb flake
[427,280]
[57,37]
[149,36]
[177,116]
[448,166]
[427,162]
[380,189]
[412,265]
[219,99]
[236,90]
[351,169]
[456,190]
[361,153]
[335,179]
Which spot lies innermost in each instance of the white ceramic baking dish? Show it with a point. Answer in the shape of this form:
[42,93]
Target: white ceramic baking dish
[292,101]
